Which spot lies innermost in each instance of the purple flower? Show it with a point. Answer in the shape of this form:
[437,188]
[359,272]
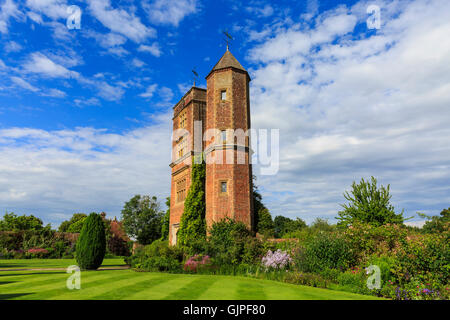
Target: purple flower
[276,260]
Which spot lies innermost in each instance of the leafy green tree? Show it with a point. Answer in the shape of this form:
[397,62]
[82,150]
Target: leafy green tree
[437,224]
[66,225]
[192,224]
[13,222]
[166,222]
[322,225]
[265,224]
[368,203]
[142,218]
[91,245]
[77,226]
[284,225]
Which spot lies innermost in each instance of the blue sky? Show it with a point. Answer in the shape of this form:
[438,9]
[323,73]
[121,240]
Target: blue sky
[85,113]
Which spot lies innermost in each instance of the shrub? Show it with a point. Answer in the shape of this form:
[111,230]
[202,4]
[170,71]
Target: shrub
[324,251]
[158,256]
[91,245]
[330,274]
[231,243]
[307,279]
[198,263]
[38,253]
[353,281]
[368,240]
[425,258]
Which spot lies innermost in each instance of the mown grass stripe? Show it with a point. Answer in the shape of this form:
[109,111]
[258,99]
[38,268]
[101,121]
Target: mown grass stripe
[87,287]
[221,289]
[32,279]
[49,290]
[193,290]
[51,263]
[138,284]
[160,291]
[250,288]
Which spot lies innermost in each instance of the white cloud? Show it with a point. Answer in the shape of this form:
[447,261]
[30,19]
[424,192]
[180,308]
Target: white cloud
[54,9]
[118,51]
[109,92]
[418,224]
[12,46]
[8,9]
[35,17]
[261,11]
[149,92]
[24,84]
[87,102]
[55,93]
[82,170]
[154,49]
[41,64]
[294,41]
[120,21]
[350,107]
[169,11]
[137,63]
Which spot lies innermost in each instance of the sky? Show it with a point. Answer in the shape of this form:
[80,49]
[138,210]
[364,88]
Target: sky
[85,113]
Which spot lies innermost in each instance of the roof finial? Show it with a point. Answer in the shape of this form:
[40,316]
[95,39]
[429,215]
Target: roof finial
[195,75]
[228,39]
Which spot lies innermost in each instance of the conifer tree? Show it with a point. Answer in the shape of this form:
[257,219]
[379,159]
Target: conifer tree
[192,224]
[91,245]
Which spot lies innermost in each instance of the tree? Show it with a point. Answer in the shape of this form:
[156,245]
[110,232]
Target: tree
[369,204]
[13,222]
[142,218]
[91,245]
[436,224]
[265,224]
[66,225]
[322,225]
[263,219]
[283,225]
[192,224]
[166,222]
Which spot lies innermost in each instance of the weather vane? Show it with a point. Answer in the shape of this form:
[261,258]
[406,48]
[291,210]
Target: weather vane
[228,39]
[195,75]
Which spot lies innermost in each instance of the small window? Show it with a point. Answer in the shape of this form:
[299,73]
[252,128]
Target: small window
[223,136]
[223,187]
[223,95]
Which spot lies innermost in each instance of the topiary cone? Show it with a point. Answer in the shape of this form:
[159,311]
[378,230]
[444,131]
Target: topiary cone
[91,245]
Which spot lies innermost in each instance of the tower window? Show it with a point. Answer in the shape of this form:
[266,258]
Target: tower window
[223,187]
[223,95]
[183,120]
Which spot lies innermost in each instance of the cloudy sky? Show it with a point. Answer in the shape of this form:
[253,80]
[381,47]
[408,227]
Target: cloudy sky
[85,113]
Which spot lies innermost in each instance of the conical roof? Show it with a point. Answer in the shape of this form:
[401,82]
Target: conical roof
[228,61]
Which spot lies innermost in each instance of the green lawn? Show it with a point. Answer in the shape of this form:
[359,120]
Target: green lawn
[128,284]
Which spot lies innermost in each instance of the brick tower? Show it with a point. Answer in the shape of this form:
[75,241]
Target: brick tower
[191,108]
[224,109]
[228,183]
